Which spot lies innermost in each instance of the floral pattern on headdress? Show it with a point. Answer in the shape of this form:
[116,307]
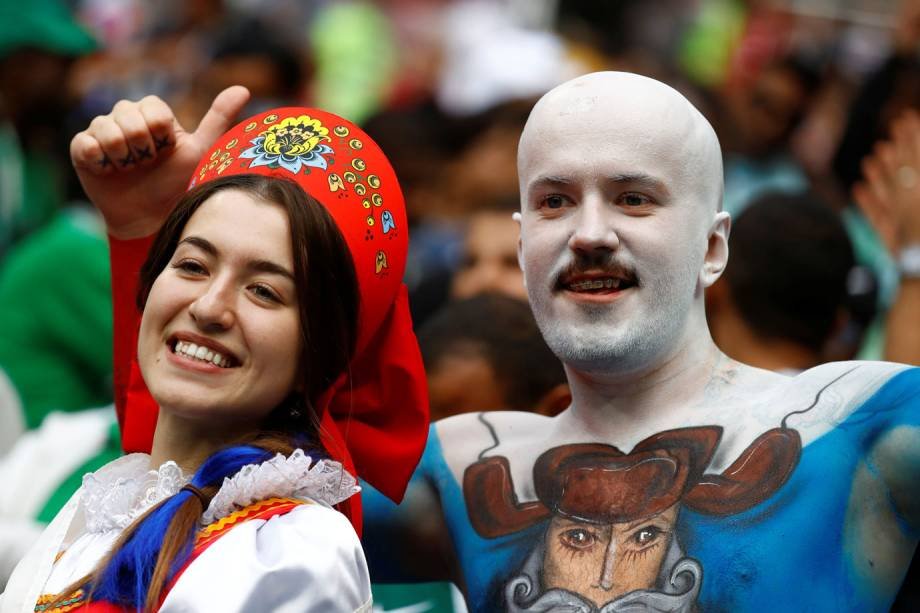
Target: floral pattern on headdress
[291,144]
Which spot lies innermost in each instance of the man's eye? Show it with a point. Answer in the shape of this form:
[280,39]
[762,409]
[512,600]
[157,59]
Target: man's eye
[554,202]
[578,538]
[634,199]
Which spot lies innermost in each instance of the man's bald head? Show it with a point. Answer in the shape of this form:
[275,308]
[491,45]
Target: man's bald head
[647,120]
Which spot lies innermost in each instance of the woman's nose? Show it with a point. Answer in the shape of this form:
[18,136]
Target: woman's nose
[214,308]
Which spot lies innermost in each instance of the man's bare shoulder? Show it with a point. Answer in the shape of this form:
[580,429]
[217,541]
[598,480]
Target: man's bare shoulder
[466,438]
[822,397]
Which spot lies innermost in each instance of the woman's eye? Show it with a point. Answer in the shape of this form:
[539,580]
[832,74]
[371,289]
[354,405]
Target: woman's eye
[190,266]
[578,538]
[264,293]
[633,199]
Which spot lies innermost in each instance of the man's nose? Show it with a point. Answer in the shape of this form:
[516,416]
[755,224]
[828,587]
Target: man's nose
[215,307]
[594,227]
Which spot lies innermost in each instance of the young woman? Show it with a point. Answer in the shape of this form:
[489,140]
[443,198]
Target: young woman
[273,319]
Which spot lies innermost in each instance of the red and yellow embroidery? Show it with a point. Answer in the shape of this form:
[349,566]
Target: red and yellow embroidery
[263,509]
[51,603]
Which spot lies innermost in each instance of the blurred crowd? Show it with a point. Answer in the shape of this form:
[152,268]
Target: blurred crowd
[814,102]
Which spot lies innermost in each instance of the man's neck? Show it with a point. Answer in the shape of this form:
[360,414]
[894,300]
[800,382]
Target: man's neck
[605,403]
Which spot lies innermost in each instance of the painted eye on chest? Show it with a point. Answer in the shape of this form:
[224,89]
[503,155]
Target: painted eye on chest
[578,538]
[645,536]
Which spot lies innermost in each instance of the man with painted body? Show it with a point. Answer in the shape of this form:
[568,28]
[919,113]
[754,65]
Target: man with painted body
[678,479]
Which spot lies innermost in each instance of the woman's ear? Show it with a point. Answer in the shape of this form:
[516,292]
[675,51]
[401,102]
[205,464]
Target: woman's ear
[716,249]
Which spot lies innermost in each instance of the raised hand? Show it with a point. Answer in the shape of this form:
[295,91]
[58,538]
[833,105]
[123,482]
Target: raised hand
[135,163]
[889,194]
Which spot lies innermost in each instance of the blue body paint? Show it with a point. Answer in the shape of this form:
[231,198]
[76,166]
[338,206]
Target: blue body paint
[788,553]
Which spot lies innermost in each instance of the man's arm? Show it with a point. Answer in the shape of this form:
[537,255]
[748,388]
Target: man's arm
[897,456]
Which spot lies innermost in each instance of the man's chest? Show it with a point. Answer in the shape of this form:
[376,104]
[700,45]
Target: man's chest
[700,516]
[797,547]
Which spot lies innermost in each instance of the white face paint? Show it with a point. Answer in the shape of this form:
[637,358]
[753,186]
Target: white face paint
[620,183]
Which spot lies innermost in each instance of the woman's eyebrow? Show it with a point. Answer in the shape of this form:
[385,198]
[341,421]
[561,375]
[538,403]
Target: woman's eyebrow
[266,266]
[270,267]
[202,243]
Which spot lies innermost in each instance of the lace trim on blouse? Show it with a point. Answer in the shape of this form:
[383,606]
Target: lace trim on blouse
[117,494]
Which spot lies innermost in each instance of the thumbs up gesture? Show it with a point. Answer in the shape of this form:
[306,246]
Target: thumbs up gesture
[135,163]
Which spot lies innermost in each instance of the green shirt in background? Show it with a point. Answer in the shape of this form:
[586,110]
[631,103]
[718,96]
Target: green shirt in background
[56,317]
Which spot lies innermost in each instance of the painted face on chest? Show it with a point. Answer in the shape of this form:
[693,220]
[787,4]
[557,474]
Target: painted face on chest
[620,184]
[605,561]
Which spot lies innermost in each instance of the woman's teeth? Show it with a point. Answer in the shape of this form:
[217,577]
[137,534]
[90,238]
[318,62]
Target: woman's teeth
[201,353]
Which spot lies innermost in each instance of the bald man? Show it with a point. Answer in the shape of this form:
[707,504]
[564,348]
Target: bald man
[678,479]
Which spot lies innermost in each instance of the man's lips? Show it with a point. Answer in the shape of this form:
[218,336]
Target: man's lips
[596,282]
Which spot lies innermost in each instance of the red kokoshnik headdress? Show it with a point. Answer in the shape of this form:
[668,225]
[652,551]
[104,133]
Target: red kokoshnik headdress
[375,420]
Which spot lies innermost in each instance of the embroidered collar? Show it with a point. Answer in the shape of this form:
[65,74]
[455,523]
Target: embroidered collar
[118,493]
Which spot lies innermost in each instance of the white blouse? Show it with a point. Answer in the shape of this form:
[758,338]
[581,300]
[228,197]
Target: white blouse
[308,559]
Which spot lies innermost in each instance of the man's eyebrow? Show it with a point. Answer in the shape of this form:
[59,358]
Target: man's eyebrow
[266,266]
[553,179]
[549,181]
[640,179]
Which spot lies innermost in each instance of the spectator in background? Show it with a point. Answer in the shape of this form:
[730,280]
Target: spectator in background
[890,198]
[758,121]
[38,43]
[783,298]
[55,310]
[486,353]
[490,262]
[459,169]
[245,51]
[893,87]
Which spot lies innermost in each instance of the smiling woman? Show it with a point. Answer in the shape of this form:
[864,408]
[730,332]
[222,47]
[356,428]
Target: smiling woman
[268,326]
[223,281]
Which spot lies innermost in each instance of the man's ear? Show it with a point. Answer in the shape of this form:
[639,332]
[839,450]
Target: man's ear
[516,216]
[716,249]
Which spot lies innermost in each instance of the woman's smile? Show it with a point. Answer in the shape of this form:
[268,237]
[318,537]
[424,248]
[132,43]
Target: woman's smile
[220,334]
